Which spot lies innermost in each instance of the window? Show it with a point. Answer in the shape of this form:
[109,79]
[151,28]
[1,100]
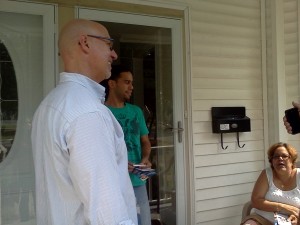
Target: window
[8,102]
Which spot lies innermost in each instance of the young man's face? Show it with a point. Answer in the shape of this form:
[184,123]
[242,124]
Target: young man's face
[124,86]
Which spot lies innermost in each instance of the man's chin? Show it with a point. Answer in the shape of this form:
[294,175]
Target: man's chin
[108,76]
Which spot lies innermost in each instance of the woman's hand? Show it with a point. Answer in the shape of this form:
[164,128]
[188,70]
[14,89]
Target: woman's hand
[289,209]
[293,219]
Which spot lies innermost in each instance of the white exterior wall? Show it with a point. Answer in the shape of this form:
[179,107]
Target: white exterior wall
[226,71]
[235,62]
[240,56]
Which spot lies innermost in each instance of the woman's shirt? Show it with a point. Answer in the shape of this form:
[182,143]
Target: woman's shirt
[274,194]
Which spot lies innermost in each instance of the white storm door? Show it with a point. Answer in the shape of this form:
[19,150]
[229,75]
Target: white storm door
[28,73]
[158,40]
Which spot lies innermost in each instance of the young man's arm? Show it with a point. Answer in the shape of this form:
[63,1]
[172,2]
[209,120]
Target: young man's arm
[146,150]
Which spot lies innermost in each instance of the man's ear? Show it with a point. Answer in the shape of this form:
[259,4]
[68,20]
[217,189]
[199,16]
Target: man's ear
[111,83]
[83,43]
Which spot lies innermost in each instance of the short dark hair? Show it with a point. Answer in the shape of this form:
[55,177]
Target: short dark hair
[116,70]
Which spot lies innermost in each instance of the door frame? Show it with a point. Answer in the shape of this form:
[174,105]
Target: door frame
[175,24]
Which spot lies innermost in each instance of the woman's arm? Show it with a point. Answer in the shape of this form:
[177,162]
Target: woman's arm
[258,198]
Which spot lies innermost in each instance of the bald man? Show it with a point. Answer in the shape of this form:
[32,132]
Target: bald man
[79,152]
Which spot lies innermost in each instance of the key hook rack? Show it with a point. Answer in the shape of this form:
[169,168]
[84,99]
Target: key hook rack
[230,120]
[237,138]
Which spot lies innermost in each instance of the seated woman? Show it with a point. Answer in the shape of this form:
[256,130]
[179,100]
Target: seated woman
[277,189]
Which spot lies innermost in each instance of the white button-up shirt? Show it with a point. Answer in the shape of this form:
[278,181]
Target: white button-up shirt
[80,158]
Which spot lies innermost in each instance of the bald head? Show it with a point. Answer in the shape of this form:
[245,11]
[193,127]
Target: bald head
[83,52]
[70,33]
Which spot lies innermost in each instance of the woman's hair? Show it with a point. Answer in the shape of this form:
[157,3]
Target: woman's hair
[291,150]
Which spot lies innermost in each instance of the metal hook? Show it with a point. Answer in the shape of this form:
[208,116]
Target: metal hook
[222,142]
[238,140]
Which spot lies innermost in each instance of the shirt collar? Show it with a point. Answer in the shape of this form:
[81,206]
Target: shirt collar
[97,89]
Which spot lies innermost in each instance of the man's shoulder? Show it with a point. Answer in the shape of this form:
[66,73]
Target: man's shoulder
[133,107]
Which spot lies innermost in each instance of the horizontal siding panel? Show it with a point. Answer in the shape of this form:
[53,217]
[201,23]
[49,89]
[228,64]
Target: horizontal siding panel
[227,63]
[290,5]
[290,28]
[291,50]
[249,4]
[206,138]
[291,38]
[232,179]
[225,8]
[212,18]
[212,149]
[223,159]
[207,83]
[199,104]
[294,141]
[227,51]
[291,66]
[220,216]
[216,72]
[226,94]
[223,221]
[292,82]
[290,19]
[224,170]
[228,40]
[223,191]
[293,95]
[219,203]
[227,33]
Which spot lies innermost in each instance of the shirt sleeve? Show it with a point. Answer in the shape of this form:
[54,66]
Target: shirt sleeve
[96,169]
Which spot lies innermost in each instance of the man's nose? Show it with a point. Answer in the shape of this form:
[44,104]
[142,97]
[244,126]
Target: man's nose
[114,55]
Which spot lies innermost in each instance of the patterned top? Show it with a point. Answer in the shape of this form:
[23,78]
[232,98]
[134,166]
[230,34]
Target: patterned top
[275,194]
[131,119]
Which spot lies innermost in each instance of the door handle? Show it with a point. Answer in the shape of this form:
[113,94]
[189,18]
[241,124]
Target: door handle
[177,129]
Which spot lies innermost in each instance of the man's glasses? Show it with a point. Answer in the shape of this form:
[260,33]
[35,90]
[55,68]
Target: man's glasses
[284,157]
[110,40]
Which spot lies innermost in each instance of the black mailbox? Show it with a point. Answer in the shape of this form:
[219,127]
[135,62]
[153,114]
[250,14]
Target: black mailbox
[229,120]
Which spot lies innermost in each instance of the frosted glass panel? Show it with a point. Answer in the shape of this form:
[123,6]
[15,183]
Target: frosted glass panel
[21,88]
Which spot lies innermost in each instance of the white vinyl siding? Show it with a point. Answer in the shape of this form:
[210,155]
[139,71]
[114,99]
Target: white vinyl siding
[226,40]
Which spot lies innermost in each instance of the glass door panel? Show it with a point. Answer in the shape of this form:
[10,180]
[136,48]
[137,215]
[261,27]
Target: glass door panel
[148,52]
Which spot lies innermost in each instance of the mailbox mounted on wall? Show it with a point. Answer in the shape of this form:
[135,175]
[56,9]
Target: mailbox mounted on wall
[230,120]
